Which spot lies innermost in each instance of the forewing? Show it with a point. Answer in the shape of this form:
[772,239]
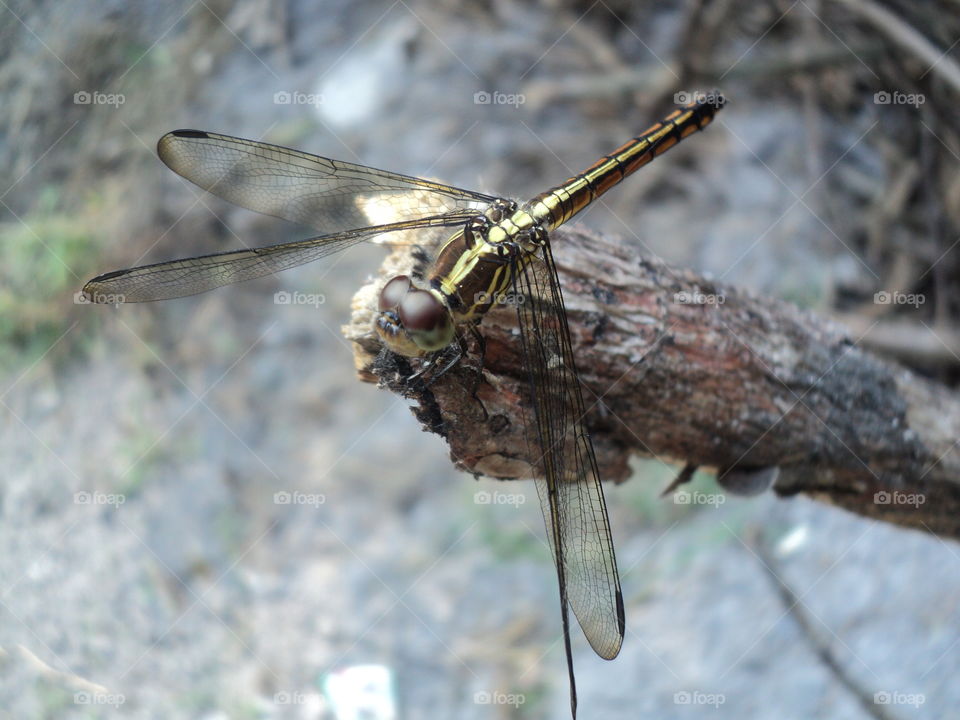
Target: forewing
[563,458]
[178,278]
[329,195]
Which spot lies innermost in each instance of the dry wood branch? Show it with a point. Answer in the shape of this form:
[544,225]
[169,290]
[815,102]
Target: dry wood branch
[680,368]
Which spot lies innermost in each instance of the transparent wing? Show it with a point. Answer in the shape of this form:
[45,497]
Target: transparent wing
[178,278]
[568,481]
[328,195]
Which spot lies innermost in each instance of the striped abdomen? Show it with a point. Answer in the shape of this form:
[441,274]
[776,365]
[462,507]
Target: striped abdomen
[555,207]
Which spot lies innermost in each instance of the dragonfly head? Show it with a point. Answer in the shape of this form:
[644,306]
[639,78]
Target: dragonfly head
[412,321]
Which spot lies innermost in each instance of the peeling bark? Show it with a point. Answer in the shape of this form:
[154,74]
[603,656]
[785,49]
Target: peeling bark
[677,367]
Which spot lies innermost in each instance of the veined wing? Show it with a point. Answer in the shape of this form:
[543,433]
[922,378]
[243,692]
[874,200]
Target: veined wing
[568,480]
[178,278]
[328,195]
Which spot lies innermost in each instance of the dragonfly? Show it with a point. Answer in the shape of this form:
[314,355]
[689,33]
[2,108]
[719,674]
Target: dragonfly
[488,246]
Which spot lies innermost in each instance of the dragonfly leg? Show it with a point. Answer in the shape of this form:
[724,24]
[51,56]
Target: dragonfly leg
[481,344]
[436,375]
[538,235]
[475,228]
[429,373]
[425,368]
[478,377]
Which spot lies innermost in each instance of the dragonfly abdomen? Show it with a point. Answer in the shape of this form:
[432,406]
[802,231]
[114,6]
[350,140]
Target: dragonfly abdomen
[557,205]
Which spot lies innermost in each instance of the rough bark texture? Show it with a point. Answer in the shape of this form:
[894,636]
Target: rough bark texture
[679,368]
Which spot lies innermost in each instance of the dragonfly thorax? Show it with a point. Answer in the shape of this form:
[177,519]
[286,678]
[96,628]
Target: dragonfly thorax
[413,321]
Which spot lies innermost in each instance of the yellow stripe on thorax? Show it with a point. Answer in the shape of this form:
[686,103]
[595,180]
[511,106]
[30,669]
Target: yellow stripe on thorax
[501,278]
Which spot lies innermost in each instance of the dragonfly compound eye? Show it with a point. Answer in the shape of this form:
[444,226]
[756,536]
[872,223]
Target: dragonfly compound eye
[426,319]
[421,311]
[393,292]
